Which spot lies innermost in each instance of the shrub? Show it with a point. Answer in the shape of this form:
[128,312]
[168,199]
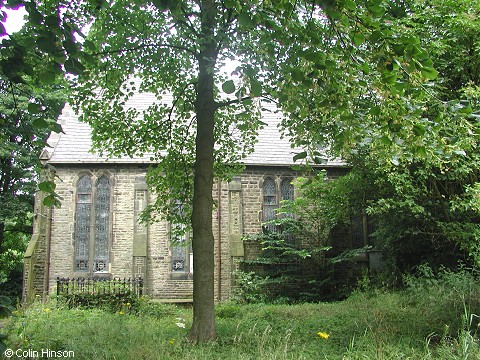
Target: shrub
[452,295]
[6,309]
[248,287]
[121,302]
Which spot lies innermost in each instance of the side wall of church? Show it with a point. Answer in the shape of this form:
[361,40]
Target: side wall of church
[145,250]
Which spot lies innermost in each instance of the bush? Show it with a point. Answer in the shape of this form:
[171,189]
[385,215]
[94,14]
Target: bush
[6,309]
[122,302]
[288,269]
[453,296]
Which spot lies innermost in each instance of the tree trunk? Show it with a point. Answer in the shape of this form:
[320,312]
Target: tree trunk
[203,327]
[2,231]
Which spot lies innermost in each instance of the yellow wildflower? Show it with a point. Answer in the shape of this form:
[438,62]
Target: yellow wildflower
[171,341]
[47,310]
[323,335]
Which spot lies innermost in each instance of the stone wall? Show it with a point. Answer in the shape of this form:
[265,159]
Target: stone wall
[143,250]
[35,268]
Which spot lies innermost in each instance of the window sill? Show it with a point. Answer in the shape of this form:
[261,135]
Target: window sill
[105,276]
[181,276]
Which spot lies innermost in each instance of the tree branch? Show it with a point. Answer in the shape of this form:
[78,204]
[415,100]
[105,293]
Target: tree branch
[219,105]
[224,28]
[170,113]
[140,47]
[187,21]
[175,103]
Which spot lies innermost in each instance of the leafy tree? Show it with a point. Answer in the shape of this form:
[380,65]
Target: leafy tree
[301,53]
[28,112]
[436,182]
[415,142]
[23,136]
[290,265]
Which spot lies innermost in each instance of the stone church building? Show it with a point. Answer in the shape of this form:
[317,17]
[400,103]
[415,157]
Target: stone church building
[96,232]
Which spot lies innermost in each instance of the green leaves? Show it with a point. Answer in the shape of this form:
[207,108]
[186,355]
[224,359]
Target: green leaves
[47,77]
[358,39]
[350,5]
[376,7]
[164,5]
[245,20]
[228,87]
[73,66]
[297,75]
[40,123]
[34,108]
[6,308]
[419,130]
[375,110]
[429,73]
[47,186]
[300,156]
[51,198]
[255,87]
[47,44]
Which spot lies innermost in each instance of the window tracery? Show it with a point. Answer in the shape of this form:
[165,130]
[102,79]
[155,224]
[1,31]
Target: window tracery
[92,221]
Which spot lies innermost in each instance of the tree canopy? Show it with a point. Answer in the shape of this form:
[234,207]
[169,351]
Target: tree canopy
[414,149]
[348,75]
[28,112]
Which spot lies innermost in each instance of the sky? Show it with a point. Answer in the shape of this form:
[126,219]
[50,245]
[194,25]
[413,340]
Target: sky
[14,19]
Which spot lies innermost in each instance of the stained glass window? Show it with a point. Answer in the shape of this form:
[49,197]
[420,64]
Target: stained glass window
[82,224]
[102,221]
[286,189]
[179,255]
[181,250]
[287,193]
[272,198]
[92,219]
[270,202]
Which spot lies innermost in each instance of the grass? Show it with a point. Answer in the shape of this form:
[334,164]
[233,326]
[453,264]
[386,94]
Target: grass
[365,326]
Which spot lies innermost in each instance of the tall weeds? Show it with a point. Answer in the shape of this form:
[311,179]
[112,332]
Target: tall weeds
[435,317]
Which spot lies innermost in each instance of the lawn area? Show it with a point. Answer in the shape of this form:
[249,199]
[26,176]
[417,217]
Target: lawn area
[372,325]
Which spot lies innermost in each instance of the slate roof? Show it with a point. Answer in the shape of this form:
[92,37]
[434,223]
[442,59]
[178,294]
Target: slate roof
[74,145]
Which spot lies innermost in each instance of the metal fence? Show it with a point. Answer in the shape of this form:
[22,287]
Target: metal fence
[99,286]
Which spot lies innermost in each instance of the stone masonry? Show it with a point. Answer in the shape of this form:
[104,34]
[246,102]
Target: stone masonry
[136,249]
[144,250]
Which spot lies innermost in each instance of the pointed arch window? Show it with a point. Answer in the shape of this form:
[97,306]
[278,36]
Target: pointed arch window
[102,222]
[180,246]
[82,223]
[92,223]
[286,189]
[272,197]
[270,202]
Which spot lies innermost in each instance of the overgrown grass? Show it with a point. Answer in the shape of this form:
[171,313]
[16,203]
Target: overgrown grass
[428,321]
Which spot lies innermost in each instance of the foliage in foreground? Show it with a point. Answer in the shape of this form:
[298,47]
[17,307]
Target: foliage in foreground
[415,167]
[434,319]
